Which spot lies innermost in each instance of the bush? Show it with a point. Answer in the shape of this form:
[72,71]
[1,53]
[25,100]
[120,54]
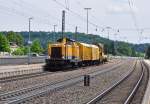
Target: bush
[19,52]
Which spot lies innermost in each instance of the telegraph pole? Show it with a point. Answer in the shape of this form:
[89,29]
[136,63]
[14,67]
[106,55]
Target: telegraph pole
[29,42]
[94,41]
[63,23]
[76,30]
[141,35]
[108,29]
[63,29]
[87,9]
[54,32]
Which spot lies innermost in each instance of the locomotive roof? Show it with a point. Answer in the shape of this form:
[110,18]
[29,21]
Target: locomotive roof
[88,45]
[85,44]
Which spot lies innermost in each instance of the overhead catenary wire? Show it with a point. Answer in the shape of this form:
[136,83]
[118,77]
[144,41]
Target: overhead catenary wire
[45,19]
[76,14]
[48,14]
[95,18]
[133,15]
[40,19]
[16,12]
[67,4]
[130,2]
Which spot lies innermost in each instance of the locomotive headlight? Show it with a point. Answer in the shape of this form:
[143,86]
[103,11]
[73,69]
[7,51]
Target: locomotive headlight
[48,57]
[63,57]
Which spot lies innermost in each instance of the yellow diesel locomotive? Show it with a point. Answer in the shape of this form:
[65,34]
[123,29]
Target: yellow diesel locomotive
[69,53]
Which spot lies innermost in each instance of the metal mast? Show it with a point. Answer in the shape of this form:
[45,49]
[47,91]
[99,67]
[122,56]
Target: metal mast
[54,32]
[29,42]
[87,9]
[63,23]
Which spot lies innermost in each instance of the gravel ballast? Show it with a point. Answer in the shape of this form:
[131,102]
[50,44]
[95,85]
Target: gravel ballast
[78,94]
[59,76]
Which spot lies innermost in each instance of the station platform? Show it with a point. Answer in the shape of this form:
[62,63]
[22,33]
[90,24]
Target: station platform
[146,99]
[12,70]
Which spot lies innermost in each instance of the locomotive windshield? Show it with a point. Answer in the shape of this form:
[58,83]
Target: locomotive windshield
[56,52]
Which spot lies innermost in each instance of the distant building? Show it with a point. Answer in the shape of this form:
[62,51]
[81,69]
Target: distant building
[13,47]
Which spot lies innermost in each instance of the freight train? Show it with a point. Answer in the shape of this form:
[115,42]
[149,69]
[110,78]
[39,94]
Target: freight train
[70,53]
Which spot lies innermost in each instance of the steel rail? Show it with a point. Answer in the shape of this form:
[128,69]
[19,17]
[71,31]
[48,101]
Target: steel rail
[131,95]
[146,96]
[100,96]
[51,86]
[46,84]
[23,76]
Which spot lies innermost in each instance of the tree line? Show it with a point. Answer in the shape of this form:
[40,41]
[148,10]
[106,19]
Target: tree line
[41,39]
[6,39]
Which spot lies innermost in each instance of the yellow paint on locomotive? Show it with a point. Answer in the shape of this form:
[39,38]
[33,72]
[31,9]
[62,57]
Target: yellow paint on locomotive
[88,52]
[84,51]
[69,50]
[78,50]
[75,51]
[95,52]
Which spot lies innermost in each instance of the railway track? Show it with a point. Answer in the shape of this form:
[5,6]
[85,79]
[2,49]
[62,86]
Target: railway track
[24,94]
[27,76]
[124,90]
[138,97]
[23,76]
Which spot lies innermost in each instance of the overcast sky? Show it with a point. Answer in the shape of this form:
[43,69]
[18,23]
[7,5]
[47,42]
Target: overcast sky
[117,14]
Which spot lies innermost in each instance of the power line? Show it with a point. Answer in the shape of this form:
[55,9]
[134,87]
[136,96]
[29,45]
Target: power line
[49,15]
[133,15]
[81,5]
[47,21]
[78,15]
[29,13]
[67,4]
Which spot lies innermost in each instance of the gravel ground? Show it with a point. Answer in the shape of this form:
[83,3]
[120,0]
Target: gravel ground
[120,93]
[15,85]
[78,94]
[137,99]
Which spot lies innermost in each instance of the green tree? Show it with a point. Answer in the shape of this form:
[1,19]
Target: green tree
[15,38]
[124,49]
[147,56]
[19,52]
[106,48]
[19,40]
[25,50]
[36,46]
[11,36]
[4,44]
[133,52]
[113,51]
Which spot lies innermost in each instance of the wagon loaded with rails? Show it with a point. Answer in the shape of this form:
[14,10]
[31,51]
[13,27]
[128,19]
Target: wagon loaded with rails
[69,53]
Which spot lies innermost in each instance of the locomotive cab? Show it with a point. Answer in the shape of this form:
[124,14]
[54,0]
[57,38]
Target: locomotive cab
[64,52]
